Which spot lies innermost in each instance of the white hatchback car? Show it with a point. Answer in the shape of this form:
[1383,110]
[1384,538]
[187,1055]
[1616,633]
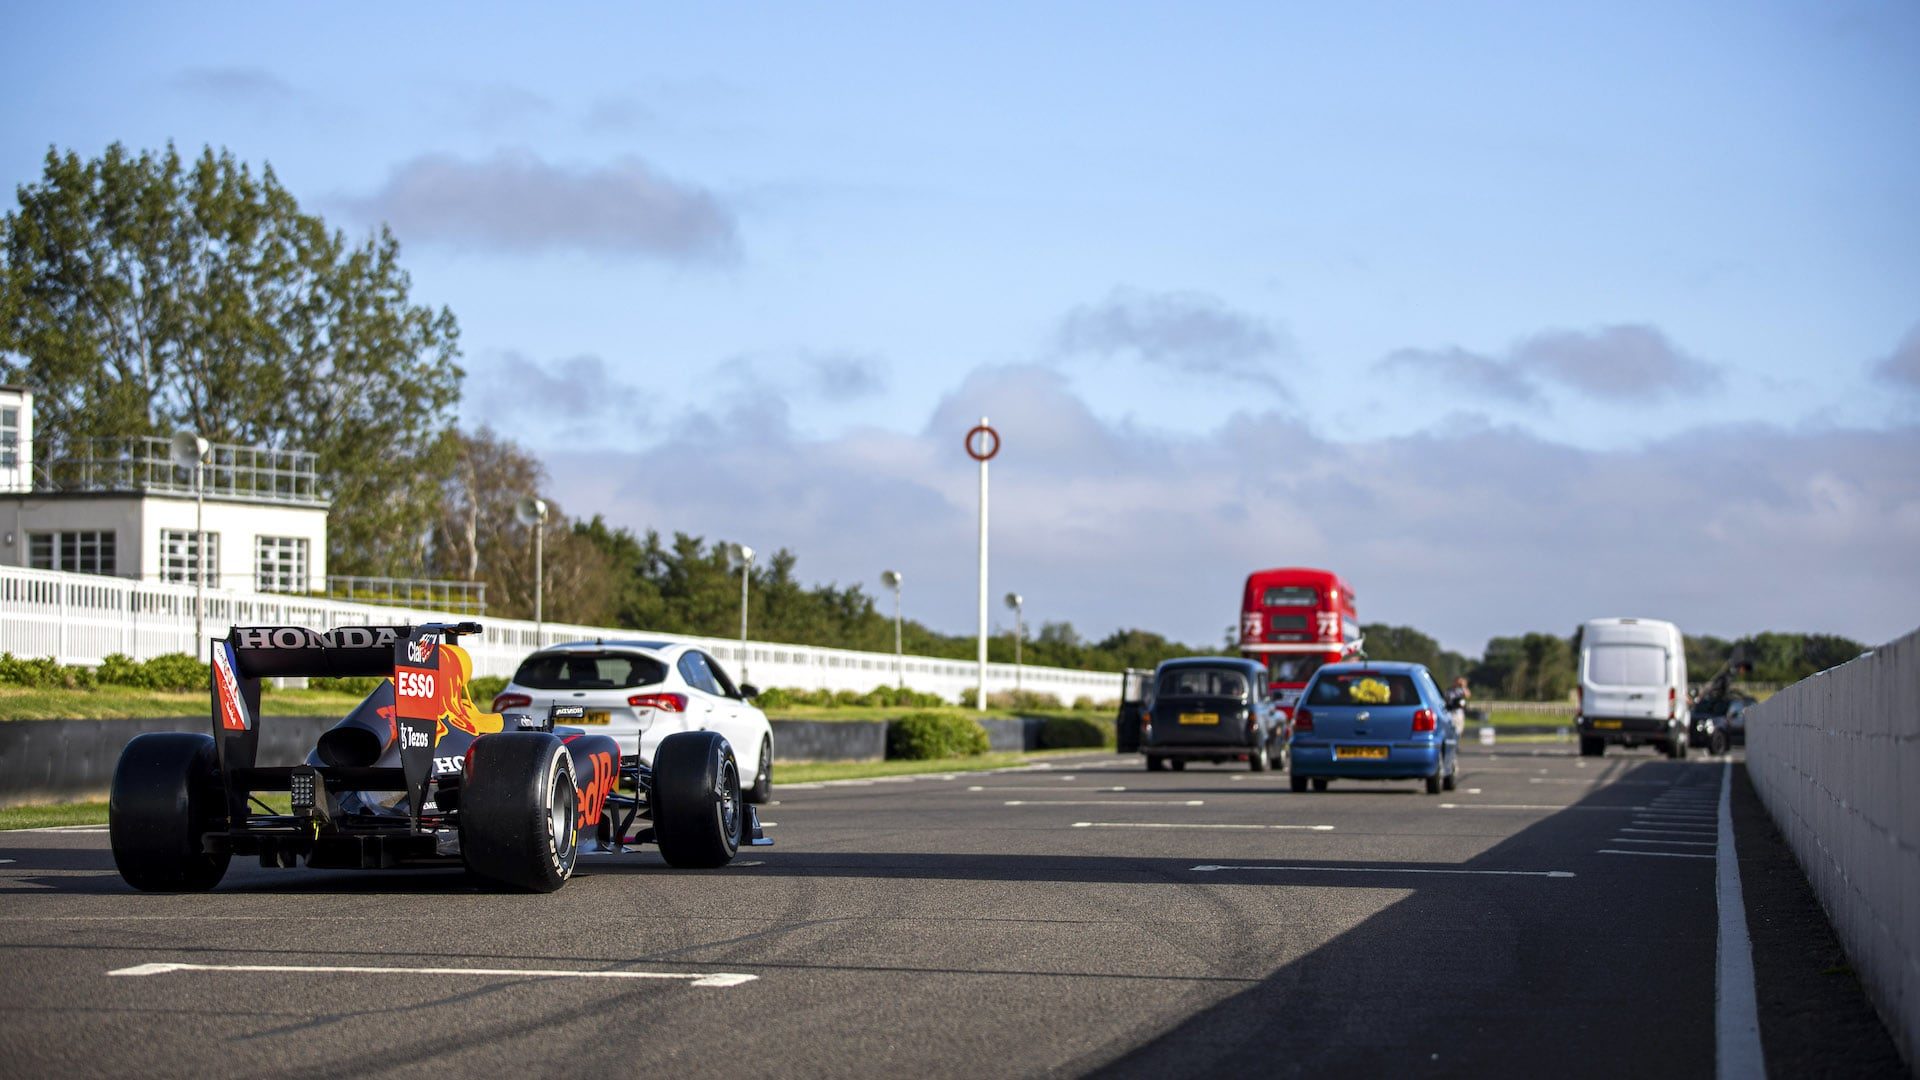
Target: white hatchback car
[640,692]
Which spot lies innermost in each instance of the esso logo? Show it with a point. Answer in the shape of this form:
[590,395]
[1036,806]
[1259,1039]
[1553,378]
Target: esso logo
[413,684]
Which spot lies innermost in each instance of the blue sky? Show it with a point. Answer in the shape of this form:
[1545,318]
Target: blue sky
[1515,314]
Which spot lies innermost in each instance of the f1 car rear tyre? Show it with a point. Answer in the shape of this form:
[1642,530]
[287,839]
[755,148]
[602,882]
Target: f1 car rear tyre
[1592,746]
[696,805]
[1297,783]
[1261,758]
[762,790]
[1156,763]
[519,811]
[166,795]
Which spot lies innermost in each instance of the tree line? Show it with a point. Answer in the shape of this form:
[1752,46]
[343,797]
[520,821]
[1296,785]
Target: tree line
[146,293]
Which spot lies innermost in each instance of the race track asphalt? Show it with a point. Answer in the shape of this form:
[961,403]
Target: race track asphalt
[1555,916]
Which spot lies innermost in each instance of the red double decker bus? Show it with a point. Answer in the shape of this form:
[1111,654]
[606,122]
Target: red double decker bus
[1294,619]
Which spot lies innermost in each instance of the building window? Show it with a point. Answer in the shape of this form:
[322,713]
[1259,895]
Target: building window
[280,564]
[9,437]
[76,552]
[180,557]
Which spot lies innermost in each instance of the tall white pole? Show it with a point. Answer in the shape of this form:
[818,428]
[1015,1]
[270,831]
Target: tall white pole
[200,558]
[980,695]
[539,581]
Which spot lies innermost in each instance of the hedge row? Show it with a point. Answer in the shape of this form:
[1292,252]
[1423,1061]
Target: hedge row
[923,736]
[174,671]
[879,697]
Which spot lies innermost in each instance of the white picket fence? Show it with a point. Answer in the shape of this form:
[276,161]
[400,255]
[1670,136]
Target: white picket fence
[81,618]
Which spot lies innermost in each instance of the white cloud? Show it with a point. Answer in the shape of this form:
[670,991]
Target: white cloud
[1466,535]
[1191,333]
[1627,364]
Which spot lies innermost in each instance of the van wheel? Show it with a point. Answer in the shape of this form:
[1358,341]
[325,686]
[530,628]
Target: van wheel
[1675,748]
[1156,763]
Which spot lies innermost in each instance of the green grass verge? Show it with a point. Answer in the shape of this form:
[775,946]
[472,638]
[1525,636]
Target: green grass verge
[894,712]
[115,702]
[54,815]
[807,772]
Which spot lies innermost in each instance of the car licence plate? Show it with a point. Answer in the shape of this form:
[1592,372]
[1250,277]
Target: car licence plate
[596,716]
[1359,752]
[1199,718]
[1607,725]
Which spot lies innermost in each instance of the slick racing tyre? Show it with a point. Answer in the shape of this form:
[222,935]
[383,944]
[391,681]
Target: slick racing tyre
[761,792]
[697,810]
[519,811]
[166,795]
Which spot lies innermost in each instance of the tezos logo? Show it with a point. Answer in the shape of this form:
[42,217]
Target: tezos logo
[413,684]
[414,737]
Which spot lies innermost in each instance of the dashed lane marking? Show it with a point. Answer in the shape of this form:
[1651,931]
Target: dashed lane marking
[1178,825]
[1010,787]
[1668,832]
[1103,802]
[1656,854]
[715,979]
[1671,843]
[1208,868]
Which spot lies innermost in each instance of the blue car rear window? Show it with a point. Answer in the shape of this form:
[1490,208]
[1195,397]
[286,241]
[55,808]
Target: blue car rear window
[1363,688]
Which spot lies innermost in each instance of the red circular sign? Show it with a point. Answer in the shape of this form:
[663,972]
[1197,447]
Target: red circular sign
[988,439]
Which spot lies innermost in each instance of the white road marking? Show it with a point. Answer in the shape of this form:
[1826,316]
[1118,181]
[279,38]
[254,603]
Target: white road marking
[718,979]
[1597,781]
[65,829]
[1009,787]
[5,860]
[1736,1012]
[1669,815]
[1665,831]
[1103,802]
[1176,825]
[1531,806]
[1391,870]
[1656,854]
[1673,843]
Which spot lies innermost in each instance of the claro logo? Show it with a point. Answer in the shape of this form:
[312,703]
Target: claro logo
[413,684]
[420,650]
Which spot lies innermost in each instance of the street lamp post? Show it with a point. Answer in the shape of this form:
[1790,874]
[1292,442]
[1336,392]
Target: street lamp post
[532,512]
[743,555]
[891,579]
[1019,633]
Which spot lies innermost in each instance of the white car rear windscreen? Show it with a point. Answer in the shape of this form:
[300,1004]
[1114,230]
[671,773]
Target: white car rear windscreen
[1627,665]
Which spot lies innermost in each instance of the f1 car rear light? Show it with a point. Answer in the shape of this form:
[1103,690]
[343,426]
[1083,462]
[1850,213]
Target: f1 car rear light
[301,787]
[503,702]
[663,702]
[1303,719]
[1423,720]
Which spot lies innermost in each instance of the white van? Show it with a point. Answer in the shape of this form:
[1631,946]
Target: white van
[1633,686]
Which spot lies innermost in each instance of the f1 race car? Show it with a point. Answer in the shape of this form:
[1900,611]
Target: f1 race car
[415,776]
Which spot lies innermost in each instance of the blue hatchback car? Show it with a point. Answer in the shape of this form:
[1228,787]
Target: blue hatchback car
[1373,721]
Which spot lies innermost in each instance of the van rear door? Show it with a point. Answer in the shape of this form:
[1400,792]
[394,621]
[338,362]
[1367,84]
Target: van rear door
[1626,680]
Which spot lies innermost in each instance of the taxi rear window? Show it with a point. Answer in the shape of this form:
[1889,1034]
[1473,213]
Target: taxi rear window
[1363,688]
[1202,682]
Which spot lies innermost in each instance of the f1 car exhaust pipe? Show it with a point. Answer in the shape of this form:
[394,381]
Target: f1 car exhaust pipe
[359,740]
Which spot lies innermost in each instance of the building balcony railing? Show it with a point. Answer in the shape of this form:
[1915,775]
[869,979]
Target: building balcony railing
[453,597]
[145,464]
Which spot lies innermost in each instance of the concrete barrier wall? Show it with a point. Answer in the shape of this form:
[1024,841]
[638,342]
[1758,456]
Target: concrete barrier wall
[66,760]
[1836,759]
